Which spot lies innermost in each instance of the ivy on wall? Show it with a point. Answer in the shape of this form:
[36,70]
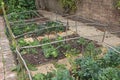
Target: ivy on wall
[117,5]
[68,5]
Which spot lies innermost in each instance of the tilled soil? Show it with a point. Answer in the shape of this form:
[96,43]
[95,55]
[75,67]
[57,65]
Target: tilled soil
[39,58]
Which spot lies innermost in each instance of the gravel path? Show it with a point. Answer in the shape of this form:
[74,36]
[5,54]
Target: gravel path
[83,30]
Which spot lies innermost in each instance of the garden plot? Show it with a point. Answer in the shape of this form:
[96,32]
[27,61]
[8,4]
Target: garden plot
[26,15]
[58,45]
[49,54]
[34,29]
[90,62]
[49,47]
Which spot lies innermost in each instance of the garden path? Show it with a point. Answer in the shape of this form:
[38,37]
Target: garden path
[6,57]
[83,30]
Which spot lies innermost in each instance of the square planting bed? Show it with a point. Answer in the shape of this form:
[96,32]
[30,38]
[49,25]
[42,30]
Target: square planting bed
[35,29]
[44,56]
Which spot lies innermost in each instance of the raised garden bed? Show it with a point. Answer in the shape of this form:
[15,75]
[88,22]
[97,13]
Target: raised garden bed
[56,51]
[34,29]
[95,66]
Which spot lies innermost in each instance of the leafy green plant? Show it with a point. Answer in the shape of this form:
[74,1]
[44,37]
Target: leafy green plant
[69,5]
[109,74]
[22,42]
[58,74]
[88,68]
[62,74]
[45,40]
[16,6]
[15,16]
[59,38]
[39,77]
[103,68]
[54,26]
[31,67]
[72,52]
[29,51]
[35,42]
[111,59]
[20,5]
[82,41]
[49,51]
[67,46]
[117,5]
[18,30]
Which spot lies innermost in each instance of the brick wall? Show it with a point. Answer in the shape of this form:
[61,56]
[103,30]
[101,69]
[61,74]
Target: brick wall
[100,10]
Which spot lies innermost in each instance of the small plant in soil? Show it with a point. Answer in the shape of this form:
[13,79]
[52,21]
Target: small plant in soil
[18,30]
[72,52]
[31,67]
[22,42]
[82,42]
[55,26]
[50,51]
[29,51]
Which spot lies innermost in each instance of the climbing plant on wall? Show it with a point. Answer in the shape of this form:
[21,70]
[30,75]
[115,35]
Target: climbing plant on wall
[117,5]
[69,5]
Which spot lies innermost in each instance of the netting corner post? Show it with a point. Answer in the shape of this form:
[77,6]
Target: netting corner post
[67,26]
[104,34]
[76,27]
[56,18]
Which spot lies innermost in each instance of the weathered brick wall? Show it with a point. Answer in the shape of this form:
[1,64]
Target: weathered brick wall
[100,10]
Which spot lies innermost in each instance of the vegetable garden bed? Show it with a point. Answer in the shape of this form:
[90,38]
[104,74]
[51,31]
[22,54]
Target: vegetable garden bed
[34,29]
[49,42]
[56,51]
[42,43]
[26,15]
